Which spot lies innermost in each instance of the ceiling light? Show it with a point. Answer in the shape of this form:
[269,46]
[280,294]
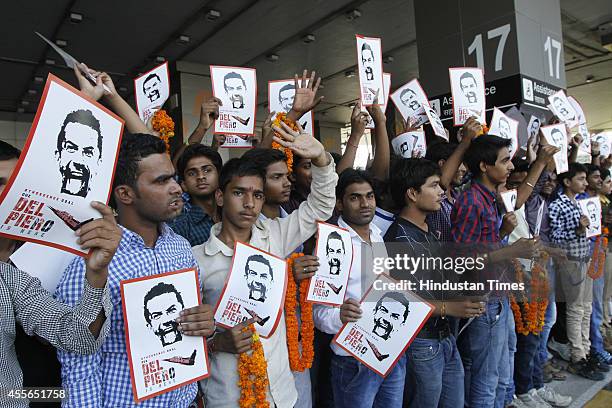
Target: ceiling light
[20,110]
[353,15]
[183,39]
[61,43]
[38,79]
[213,15]
[351,105]
[160,59]
[50,61]
[589,78]
[123,89]
[272,57]
[76,18]
[308,38]
[349,74]
[388,59]
[32,91]
[25,103]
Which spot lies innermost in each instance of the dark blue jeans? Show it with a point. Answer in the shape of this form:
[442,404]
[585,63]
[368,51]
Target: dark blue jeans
[356,386]
[597,344]
[528,372]
[483,346]
[434,374]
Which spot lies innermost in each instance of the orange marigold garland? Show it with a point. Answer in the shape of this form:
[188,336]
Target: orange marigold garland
[529,314]
[298,362]
[253,375]
[164,125]
[598,260]
[282,117]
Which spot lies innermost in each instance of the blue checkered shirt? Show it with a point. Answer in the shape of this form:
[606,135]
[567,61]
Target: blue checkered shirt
[103,379]
[564,216]
[193,224]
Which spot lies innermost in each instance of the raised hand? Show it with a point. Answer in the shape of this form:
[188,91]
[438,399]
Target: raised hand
[378,116]
[305,98]
[359,120]
[97,91]
[209,111]
[301,143]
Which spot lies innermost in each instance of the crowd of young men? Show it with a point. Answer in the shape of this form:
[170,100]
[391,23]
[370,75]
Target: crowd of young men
[189,210]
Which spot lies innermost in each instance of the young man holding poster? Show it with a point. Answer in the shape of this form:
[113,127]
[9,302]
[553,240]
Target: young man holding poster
[146,197]
[356,203]
[241,196]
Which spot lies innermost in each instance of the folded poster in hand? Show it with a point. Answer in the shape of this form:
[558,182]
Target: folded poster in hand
[237,89]
[409,100]
[152,90]
[369,62]
[74,143]
[389,322]
[255,288]
[562,108]
[533,130]
[387,83]
[583,129]
[335,251]
[410,144]
[281,94]
[605,143]
[556,135]
[436,123]
[591,207]
[509,199]
[161,357]
[468,91]
[506,127]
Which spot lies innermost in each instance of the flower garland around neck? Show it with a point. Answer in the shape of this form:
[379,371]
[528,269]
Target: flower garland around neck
[253,375]
[282,117]
[598,260]
[298,362]
[529,314]
[164,125]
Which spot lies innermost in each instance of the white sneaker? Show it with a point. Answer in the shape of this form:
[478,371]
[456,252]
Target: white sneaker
[516,403]
[562,350]
[533,400]
[554,398]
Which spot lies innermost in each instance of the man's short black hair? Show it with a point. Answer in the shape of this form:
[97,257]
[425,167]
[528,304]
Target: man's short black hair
[520,165]
[464,76]
[334,235]
[194,151]
[351,176]
[605,173]
[410,173]
[405,91]
[158,290]
[150,77]
[8,151]
[258,258]
[239,167]
[398,297]
[335,156]
[83,117]
[263,157]
[440,151]
[592,168]
[485,149]
[366,46]
[573,170]
[287,87]
[134,148]
[231,75]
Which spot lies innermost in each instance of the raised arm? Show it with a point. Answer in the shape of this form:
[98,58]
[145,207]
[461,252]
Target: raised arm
[305,98]
[470,129]
[544,156]
[359,120]
[382,154]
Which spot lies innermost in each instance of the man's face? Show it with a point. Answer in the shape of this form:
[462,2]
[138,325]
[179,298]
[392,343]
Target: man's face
[429,199]
[163,310]
[404,147]
[515,179]
[535,125]
[499,172]
[277,187]
[410,100]
[358,204]
[6,169]
[286,98]
[504,129]
[258,280]
[158,196]
[577,184]
[459,175]
[595,182]
[560,106]
[201,178]
[605,189]
[557,137]
[78,158]
[592,210]
[550,185]
[388,316]
[367,59]
[236,91]
[468,87]
[335,255]
[241,201]
[303,175]
[151,89]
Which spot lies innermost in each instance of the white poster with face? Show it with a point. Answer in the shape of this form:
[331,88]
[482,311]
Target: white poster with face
[410,144]
[583,129]
[506,127]
[556,135]
[335,251]
[369,62]
[468,91]
[280,99]
[533,130]
[152,90]
[562,108]
[436,123]
[509,199]
[387,82]
[409,101]
[390,320]
[605,143]
[68,161]
[591,207]
[161,357]
[255,289]
[232,141]
[237,89]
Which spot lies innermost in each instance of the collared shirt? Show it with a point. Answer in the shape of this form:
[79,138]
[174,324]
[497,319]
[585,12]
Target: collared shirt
[327,318]
[474,218]
[564,219]
[439,221]
[103,379]
[23,300]
[193,224]
[279,236]
[383,219]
